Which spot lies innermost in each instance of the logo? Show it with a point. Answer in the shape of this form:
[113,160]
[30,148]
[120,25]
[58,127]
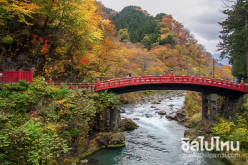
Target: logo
[219,145]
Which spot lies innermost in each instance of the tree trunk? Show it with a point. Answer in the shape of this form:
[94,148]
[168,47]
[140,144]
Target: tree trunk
[246,47]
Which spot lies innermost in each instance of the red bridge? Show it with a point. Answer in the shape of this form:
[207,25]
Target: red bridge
[167,82]
[151,82]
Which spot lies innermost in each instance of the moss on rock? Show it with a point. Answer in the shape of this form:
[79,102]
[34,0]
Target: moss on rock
[128,124]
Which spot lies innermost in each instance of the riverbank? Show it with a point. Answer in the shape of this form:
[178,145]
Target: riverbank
[234,130]
[44,124]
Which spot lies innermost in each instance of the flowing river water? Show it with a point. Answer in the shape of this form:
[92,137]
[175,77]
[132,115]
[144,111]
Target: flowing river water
[157,141]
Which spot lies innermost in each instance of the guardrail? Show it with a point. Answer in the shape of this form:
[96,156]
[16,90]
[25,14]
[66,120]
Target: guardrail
[15,76]
[78,85]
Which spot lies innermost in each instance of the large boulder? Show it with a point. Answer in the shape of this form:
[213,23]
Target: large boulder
[117,139]
[170,117]
[155,102]
[163,112]
[128,124]
[181,114]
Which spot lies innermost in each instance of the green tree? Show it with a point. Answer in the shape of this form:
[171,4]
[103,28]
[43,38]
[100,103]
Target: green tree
[123,34]
[168,40]
[234,38]
[147,41]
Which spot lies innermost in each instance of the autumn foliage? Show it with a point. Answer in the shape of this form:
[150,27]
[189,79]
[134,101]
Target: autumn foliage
[66,47]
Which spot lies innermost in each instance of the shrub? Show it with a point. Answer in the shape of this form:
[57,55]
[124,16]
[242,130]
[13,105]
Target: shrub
[28,144]
[223,128]
[195,119]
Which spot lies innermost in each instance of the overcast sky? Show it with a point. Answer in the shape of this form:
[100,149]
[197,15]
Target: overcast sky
[201,17]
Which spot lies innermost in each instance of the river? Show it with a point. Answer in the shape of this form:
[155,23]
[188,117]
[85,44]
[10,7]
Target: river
[157,141]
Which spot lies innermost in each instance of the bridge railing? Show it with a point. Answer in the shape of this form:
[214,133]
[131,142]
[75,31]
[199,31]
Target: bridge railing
[78,85]
[15,76]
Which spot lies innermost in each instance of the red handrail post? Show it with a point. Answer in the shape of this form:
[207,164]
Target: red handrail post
[31,75]
[243,85]
[19,74]
[192,79]
[97,83]
[6,75]
[50,80]
[171,77]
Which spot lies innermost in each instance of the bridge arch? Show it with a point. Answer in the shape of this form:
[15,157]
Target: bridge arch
[173,82]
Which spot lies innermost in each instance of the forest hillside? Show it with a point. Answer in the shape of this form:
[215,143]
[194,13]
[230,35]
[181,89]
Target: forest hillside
[79,40]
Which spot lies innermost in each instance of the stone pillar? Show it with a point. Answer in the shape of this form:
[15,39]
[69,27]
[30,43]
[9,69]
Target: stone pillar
[118,118]
[212,108]
[113,120]
[212,98]
[107,120]
[204,108]
[232,104]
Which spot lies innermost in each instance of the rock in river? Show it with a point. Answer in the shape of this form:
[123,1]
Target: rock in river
[162,112]
[118,138]
[122,110]
[152,107]
[155,102]
[148,115]
[128,124]
[135,118]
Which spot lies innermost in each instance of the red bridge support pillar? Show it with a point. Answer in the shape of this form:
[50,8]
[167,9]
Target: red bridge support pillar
[209,102]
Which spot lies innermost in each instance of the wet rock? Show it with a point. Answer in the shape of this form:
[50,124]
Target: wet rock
[152,107]
[83,161]
[102,140]
[163,112]
[128,124]
[155,102]
[156,109]
[171,105]
[122,110]
[171,117]
[118,138]
[148,115]
[181,114]
[135,118]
